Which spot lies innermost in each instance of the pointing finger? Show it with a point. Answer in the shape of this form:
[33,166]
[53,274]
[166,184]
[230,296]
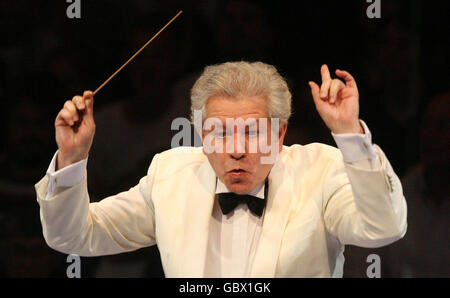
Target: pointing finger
[326,81]
[325,72]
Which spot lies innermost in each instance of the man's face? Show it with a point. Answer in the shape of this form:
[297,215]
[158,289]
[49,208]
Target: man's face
[240,165]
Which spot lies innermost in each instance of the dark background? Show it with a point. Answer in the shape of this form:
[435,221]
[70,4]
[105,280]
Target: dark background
[400,63]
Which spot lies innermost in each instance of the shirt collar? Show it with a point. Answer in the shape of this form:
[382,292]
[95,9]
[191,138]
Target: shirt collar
[257,191]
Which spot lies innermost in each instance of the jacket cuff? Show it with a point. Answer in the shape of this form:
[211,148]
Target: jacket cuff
[66,177]
[356,147]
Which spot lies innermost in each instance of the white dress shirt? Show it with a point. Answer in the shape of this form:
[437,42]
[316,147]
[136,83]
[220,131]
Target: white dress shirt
[233,238]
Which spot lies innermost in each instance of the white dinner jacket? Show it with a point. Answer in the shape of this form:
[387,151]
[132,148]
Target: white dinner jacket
[316,204]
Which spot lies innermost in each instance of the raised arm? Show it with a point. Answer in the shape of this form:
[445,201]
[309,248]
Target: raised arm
[363,199]
[70,223]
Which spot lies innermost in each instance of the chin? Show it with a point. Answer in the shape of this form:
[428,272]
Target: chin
[239,187]
[239,190]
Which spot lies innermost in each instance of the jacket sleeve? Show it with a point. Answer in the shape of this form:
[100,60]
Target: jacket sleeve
[364,207]
[119,223]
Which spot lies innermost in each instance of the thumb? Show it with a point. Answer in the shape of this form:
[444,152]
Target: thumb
[315,92]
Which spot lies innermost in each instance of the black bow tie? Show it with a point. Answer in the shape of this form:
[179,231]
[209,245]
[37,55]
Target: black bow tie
[228,201]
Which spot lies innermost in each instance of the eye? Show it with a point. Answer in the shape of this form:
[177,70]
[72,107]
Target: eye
[219,134]
[252,133]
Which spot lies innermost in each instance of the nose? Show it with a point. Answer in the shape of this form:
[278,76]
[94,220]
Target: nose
[237,156]
[239,147]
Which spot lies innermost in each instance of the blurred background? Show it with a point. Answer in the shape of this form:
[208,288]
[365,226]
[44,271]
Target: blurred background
[400,62]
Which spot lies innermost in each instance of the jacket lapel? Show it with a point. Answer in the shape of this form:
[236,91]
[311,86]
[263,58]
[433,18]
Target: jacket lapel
[196,220]
[275,220]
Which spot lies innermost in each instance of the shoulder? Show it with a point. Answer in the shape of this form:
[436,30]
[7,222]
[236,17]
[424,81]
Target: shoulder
[310,154]
[185,151]
[177,160]
[315,159]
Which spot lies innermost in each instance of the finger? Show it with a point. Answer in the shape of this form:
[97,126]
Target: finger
[88,94]
[336,86]
[324,90]
[79,102]
[326,81]
[347,77]
[64,117]
[70,106]
[88,97]
[325,72]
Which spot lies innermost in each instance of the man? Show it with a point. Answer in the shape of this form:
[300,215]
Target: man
[302,206]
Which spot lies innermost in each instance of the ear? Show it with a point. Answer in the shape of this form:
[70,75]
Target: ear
[281,134]
[197,123]
[199,130]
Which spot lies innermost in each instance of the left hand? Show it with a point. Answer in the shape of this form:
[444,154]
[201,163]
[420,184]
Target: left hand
[336,102]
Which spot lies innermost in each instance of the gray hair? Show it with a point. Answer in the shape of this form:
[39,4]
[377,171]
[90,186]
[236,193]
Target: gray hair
[235,79]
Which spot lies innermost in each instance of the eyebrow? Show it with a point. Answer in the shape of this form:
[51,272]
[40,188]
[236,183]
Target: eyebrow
[217,122]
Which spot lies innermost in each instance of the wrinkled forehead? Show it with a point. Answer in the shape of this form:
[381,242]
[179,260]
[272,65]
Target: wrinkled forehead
[239,122]
[240,125]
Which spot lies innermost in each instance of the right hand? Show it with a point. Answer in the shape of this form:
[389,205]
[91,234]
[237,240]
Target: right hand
[74,134]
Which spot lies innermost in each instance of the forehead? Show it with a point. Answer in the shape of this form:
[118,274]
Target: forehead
[244,107]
